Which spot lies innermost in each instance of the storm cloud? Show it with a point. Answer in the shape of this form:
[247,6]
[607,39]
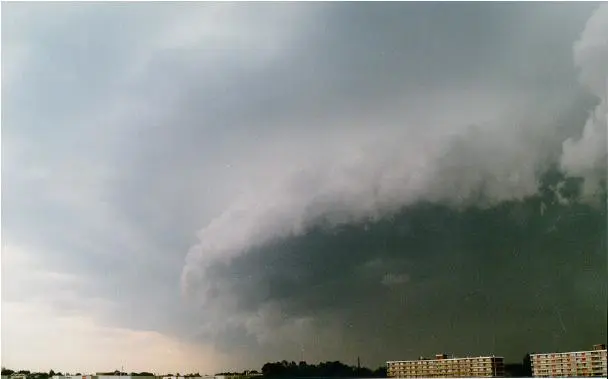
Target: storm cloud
[487,149]
[310,181]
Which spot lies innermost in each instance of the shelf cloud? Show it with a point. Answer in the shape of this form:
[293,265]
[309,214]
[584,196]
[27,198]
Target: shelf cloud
[255,182]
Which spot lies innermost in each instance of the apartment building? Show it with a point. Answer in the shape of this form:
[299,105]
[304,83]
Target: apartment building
[444,366]
[571,364]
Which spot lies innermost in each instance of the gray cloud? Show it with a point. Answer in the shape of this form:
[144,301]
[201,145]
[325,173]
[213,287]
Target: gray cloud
[300,140]
[380,170]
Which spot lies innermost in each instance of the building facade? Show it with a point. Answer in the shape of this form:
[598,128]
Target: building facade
[570,364]
[444,366]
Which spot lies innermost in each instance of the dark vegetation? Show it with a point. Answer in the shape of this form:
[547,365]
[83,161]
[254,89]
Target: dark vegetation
[334,369]
[519,370]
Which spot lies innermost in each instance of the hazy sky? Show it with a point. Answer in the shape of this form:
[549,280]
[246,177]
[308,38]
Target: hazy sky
[206,186]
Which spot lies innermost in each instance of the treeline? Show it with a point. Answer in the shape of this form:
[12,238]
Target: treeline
[334,369]
[517,370]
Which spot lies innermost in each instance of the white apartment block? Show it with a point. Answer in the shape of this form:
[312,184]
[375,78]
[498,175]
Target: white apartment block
[447,367]
[571,364]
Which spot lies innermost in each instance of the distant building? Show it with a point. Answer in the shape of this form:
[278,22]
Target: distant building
[244,375]
[444,366]
[570,364]
[102,376]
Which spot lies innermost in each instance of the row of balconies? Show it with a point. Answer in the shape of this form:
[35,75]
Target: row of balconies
[563,367]
[446,372]
[418,364]
[569,372]
[453,374]
[454,370]
[465,373]
[573,369]
[599,359]
[436,363]
[569,361]
[579,355]
[450,367]
[568,375]
[570,368]
[444,376]
[430,361]
[445,369]
[594,364]
[450,370]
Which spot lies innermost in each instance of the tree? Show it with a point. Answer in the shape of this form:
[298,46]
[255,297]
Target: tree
[286,369]
[380,372]
[527,369]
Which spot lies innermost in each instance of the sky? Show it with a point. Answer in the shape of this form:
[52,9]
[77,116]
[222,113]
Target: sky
[196,187]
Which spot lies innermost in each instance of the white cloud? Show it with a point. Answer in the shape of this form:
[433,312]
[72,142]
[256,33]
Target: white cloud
[586,156]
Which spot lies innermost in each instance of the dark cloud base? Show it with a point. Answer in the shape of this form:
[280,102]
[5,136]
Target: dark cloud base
[516,277]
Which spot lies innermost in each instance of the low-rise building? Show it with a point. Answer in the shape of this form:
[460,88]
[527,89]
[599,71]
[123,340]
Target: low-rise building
[103,376]
[444,366]
[571,364]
